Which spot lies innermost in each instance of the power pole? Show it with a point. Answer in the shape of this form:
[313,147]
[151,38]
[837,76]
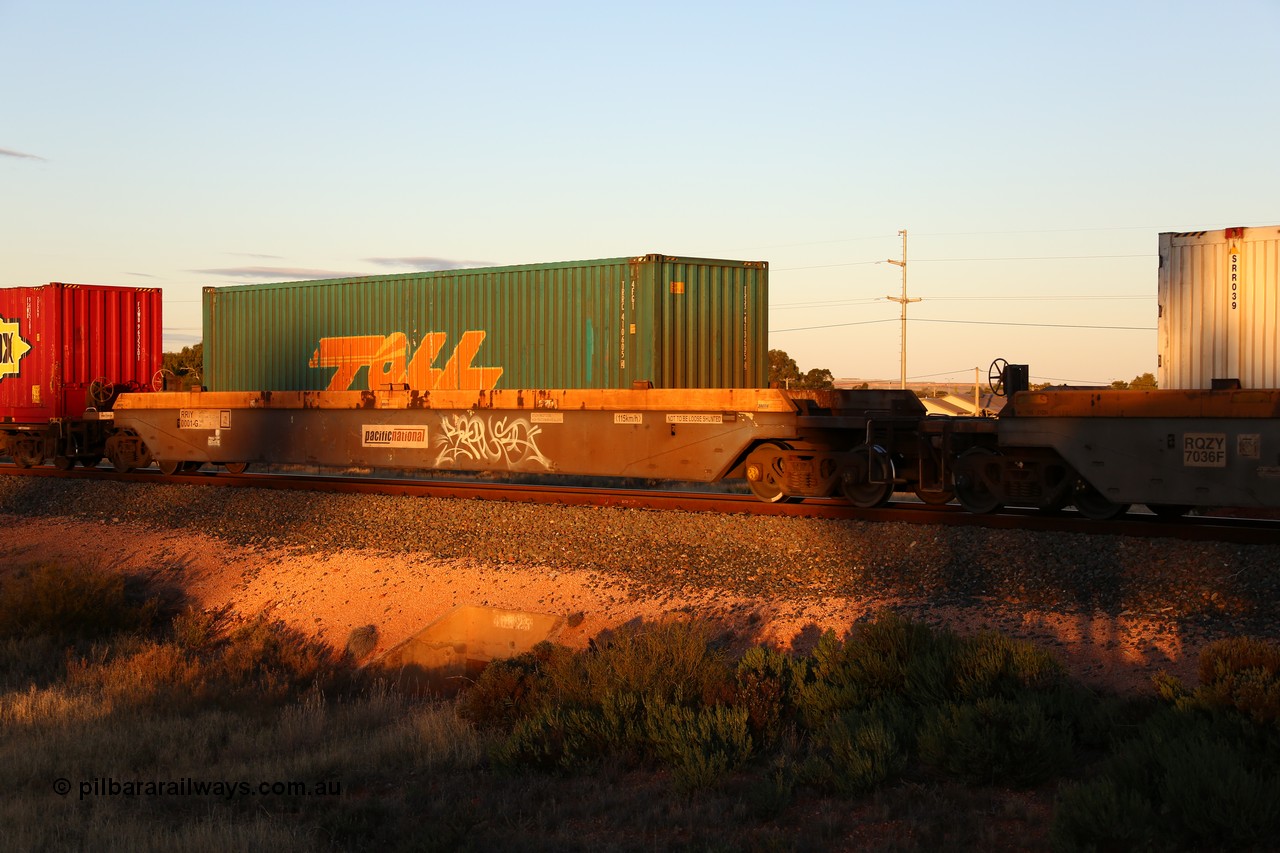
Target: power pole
[903,300]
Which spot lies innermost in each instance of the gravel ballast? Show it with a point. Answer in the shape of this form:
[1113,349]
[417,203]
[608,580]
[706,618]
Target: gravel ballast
[988,577]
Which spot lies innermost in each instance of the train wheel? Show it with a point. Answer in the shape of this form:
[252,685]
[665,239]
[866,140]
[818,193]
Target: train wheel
[89,461]
[64,463]
[1169,512]
[765,475]
[973,487]
[236,467]
[127,453]
[120,461]
[26,454]
[935,498]
[191,467]
[869,464]
[168,467]
[1094,505]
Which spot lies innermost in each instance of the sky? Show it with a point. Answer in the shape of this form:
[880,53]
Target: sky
[1033,152]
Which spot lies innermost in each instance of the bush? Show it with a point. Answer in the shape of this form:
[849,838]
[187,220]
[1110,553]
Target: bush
[668,661]
[700,745]
[1102,815]
[1242,674]
[990,664]
[250,663]
[72,602]
[508,690]
[996,740]
[854,753]
[765,686]
[362,641]
[889,656]
[1197,780]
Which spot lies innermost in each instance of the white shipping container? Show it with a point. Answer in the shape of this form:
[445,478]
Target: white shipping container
[1219,308]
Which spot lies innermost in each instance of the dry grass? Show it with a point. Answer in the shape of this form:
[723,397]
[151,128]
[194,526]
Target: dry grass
[163,722]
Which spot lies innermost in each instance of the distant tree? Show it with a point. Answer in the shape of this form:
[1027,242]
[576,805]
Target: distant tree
[1145,382]
[785,373]
[187,365]
[818,377]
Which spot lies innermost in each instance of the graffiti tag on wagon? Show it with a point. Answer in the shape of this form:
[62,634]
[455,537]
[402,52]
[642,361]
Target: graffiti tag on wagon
[502,441]
[12,348]
[388,363]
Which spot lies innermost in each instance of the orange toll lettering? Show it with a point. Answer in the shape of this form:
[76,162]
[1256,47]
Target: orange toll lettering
[389,366]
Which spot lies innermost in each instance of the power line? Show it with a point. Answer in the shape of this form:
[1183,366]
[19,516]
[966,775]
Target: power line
[972,323]
[1148,228]
[1034,298]
[832,326]
[867,301]
[1037,258]
[1147,255]
[1037,325]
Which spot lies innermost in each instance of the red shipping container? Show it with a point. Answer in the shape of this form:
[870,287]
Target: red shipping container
[57,340]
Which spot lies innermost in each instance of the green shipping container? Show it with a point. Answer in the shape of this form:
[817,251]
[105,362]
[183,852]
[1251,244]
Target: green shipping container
[674,322]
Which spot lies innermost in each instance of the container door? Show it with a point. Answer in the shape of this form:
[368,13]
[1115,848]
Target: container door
[28,355]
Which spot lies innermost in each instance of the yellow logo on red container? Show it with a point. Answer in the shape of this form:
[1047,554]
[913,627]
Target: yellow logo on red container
[12,348]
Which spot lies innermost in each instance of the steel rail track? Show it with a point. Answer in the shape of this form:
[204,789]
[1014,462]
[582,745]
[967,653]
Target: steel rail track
[1233,529]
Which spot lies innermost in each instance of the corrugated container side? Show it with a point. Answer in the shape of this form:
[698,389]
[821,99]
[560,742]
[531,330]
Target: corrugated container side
[25,356]
[676,322]
[710,336]
[56,340]
[1219,299]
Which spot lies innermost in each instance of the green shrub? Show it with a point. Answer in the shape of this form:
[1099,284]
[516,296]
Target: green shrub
[1243,674]
[1205,780]
[991,664]
[541,740]
[70,601]
[770,792]
[700,745]
[996,740]
[854,753]
[1102,815]
[248,664]
[765,685]
[888,656]
[671,661]
[508,690]
[1217,792]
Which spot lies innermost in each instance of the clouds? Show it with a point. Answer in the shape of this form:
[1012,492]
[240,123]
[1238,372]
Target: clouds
[277,273]
[21,155]
[418,263]
[427,264]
